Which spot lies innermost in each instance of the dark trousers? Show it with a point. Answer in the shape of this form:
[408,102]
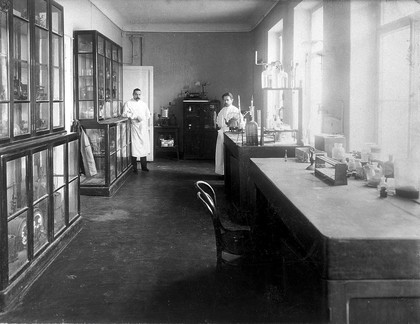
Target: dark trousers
[143,163]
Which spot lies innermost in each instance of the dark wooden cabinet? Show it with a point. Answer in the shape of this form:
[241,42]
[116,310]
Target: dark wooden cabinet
[166,139]
[199,131]
[39,164]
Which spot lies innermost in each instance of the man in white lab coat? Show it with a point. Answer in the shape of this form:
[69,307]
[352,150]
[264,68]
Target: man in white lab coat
[223,117]
[139,115]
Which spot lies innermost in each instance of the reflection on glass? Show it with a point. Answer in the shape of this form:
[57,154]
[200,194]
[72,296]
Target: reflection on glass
[57,67]
[58,114]
[57,20]
[72,159]
[97,140]
[20,8]
[16,185]
[112,166]
[112,134]
[59,203]
[41,17]
[40,182]
[120,55]
[118,137]
[108,79]
[18,243]
[85,68]
[20,59]
[108,46]
[40,224]
[41,64]
[115,78]
[114,52]
[73,199]
[42,116]
[4,122]
[101,77]
[101,44]
[84,43]
[119,162]
[21,116]
[58,166]
[4,56]
[107,109]
[123,134]
[120,82]
[86,110]
[124,157]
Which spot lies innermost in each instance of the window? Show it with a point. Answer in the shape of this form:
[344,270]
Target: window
[308,55]
[385,69]
[398,86]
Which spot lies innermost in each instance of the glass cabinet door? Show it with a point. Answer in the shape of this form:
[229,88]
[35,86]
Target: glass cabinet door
[17,210]
[21,114]
[101,86]
[40,198]
[58,186]
[85,77]
[57,80]
[73,153]
[4,76]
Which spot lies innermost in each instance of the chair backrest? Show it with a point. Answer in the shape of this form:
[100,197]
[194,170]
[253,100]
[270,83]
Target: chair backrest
[207,196]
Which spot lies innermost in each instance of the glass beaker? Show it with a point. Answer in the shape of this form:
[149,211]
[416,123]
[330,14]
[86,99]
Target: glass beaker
[407,178]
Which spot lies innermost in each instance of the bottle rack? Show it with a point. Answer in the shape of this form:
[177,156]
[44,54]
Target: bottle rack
[330,170]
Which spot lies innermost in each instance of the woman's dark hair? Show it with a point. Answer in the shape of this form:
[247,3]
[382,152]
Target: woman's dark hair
[229,94]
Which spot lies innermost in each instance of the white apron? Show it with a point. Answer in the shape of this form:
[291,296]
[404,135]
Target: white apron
[224,115]
[139,114]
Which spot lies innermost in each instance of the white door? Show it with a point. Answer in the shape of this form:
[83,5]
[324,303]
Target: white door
[140,77]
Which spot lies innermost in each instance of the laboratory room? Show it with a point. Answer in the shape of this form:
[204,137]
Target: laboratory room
[224,161]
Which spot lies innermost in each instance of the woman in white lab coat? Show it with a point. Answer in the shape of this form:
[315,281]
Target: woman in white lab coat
[139,115]
[227,113]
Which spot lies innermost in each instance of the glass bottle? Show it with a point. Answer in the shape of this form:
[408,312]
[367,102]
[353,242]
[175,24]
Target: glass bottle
[251,132]
[264,77]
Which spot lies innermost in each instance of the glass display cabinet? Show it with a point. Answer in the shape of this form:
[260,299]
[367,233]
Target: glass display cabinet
[32,98]
[98,97]
[39,166]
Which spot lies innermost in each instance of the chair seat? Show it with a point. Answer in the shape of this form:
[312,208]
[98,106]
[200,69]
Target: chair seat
[237,242]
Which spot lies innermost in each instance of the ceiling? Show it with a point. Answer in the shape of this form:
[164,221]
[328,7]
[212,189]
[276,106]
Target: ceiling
[186,15]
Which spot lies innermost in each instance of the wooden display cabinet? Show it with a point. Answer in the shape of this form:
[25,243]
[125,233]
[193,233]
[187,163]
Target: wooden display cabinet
[199,131]
[110,142]
[98,98]
[39,171]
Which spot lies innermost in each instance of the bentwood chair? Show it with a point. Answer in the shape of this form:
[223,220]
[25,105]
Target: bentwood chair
[234,242]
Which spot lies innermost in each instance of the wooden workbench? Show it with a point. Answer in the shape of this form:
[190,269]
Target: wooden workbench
[237,159]
[366,249]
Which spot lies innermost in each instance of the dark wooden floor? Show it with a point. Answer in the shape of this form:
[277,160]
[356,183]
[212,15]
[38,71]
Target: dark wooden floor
[148,255]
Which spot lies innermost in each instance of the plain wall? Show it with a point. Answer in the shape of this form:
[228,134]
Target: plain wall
[222,60]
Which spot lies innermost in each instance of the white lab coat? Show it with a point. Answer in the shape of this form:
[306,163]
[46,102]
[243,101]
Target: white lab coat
[222,118]
[139,114]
